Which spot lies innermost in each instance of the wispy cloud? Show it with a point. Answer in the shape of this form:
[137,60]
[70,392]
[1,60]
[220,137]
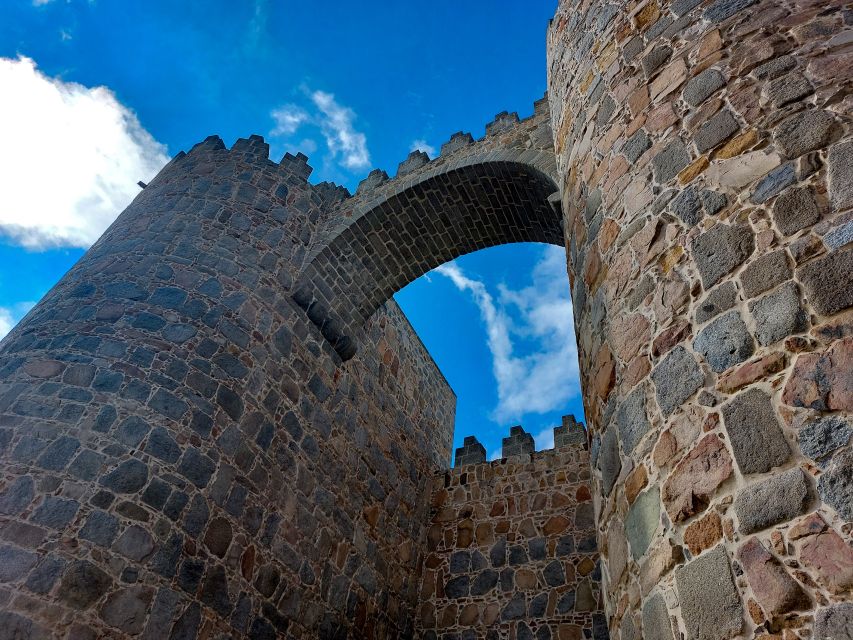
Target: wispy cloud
[71,158]
[422,145]
[543,375]
[346,145]
[288,118]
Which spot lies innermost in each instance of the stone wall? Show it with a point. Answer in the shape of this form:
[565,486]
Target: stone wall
[184,455]
[705,154]
[511,552]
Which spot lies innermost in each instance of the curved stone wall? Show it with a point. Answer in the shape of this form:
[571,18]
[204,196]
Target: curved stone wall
[183,454]
[705,152]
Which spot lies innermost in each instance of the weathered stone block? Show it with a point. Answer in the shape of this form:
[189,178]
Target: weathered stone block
[719,128]
[721,298]
[826,281]
[765,273]
[795,209]
[642,521]
[776,590]
[656,624]
[718,251]
[805,131]
[836,485]
[840,174]
[676,378]
[702,86]
[754,432]
[778,315]
[777,499]
[725,342]
[709,614]
[691,485]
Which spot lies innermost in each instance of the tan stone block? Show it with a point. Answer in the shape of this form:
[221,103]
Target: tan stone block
[670,79]
[658,562]
[739,171]
[629,334]
[750,372]
[737,145]
[525,579]
[638,100]
[635,482]
[704,534]
[660,117]
[693,169]
[710,42]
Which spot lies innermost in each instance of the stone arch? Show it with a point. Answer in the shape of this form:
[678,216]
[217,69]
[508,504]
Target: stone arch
[394,237]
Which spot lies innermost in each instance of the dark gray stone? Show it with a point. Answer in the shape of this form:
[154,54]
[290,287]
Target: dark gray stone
[58,453]
[128,477]
[701,86]
[126,609]
[656,624]
[15,563]
[17,627]
[835,485]
[669,161]
[687,206]
[101,528]
[631,419]
[135,543]
[168,404]
[17,495]
[715,613]
[55,512]
[676,378]
[724,9]
[725,342]
[609,462]
[805,131]
[636,146]
[484,582]
[132,431]
[554,574]
[515,609]
[45,575]
[720,250]
[566,603]
[161,445]
[795,209]
[712,201]
[719,128]
[457,587]
[87,465]
[774,183]
[774,68]
[826,281]
[656,59]
[196,467]
[778,315]
[771,501]
[824,435]
[834,622]
[82,584]
[765,273]
[720,299]
[754,432]
[787,89]
[642,521]
[497,554]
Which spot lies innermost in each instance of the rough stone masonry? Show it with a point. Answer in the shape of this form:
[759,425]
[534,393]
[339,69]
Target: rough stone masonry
[217,424]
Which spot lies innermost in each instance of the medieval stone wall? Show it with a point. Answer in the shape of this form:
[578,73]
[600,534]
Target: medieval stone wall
[184,454]
[511,552]
[707,180]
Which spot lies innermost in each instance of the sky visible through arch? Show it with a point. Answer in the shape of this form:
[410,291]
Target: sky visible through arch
[98,94]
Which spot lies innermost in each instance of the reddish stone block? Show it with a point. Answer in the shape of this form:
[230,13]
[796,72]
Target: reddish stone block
[691,484]
[777,592]
[823,381]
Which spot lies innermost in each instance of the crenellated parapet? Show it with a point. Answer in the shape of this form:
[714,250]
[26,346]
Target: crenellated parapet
[520,444]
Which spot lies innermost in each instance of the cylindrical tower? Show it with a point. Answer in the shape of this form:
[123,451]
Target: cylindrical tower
[707,164]
[183,453]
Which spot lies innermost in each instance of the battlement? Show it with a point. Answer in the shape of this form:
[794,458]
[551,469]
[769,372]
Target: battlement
[520,443]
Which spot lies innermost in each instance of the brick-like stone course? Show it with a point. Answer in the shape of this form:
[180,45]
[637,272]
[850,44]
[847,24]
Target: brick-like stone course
[511,551]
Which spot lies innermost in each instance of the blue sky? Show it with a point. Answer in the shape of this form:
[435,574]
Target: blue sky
[98,94]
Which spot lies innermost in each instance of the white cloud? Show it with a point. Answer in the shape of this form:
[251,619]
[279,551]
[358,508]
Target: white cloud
[71,157]
[541,375]
[422,145]
[6,322]
[341,137]
[544,439]
[288,118]
[346,145]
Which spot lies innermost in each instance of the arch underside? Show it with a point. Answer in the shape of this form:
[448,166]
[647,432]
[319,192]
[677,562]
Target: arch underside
[417,229]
